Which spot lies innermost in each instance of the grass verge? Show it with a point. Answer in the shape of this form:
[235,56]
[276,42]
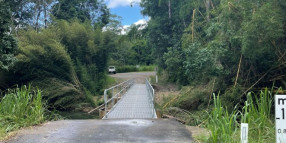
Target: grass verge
[194,106]
[225,126]
[20,107]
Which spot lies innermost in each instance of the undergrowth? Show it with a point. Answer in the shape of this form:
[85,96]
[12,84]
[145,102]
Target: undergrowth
[133,68]
[223,120]
[20,107]
[225,126]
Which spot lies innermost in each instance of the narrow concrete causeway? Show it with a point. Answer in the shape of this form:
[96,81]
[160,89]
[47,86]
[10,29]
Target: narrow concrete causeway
[106,131]
[135,104]
[131,120]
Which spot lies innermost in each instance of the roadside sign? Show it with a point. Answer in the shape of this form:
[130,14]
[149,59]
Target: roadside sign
[244,132]
[280,118]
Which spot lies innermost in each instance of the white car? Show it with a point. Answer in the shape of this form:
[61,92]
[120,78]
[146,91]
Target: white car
[111,69]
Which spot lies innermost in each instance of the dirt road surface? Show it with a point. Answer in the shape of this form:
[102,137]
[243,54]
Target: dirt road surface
[138,76]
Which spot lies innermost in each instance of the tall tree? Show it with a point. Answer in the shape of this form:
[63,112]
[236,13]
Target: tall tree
[93,10]
[8,44]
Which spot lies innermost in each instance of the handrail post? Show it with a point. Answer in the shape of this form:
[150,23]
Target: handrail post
[105,103]
[112,97]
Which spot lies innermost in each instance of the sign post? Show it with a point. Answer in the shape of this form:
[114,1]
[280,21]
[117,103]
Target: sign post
[244,133]
[280,118]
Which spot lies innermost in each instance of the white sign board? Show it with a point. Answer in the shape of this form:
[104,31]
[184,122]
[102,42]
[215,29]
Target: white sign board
[244,132]
[280,118]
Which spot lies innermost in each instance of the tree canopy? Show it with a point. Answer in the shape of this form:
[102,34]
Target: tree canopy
[8,44]
[209,38]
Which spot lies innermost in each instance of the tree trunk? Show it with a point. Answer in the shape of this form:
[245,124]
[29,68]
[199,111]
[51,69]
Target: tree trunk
[193,24]
[45,13]
[207,3]
[37,20]
[169,9]
[38,10]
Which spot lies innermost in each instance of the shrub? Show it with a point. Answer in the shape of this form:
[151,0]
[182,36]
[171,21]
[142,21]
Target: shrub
[122,69]
[20,107]
[133,68]
[61,95]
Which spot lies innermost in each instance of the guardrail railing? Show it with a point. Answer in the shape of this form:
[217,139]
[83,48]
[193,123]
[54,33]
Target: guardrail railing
[151,94]
[113,94]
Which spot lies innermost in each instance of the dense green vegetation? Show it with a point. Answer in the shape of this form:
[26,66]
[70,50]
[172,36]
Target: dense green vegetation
[130,68]
[56,46]
[56,62]
[132,48]
[234,42]
[20,107]
[226,47]
[65,54]
[7,42]
[256,112]
[233,46]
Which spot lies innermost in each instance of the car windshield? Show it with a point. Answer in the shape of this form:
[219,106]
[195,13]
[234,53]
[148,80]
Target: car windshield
[111,67]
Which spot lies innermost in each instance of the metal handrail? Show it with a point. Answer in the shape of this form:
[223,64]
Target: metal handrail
[124,86]
[151,94]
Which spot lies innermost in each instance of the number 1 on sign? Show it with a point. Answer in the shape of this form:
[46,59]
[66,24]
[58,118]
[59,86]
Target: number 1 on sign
[283,114]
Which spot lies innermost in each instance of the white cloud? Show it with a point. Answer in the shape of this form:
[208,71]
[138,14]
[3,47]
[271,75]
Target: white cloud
[141,22]
[125,28]
[117,3]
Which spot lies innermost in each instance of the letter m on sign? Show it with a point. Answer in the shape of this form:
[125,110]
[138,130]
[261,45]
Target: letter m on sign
[281,100]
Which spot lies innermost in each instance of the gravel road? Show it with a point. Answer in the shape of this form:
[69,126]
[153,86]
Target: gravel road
[138,76]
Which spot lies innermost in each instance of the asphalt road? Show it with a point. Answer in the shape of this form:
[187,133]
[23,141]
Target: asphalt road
[101,131]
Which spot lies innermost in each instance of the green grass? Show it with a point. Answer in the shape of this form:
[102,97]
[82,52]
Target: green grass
[201,138]
[20,107]
[257,113]
[110,81]
[223,118]
[133,68]
[225,127]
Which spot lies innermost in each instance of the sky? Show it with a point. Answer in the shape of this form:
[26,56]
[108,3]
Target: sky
[130,15]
